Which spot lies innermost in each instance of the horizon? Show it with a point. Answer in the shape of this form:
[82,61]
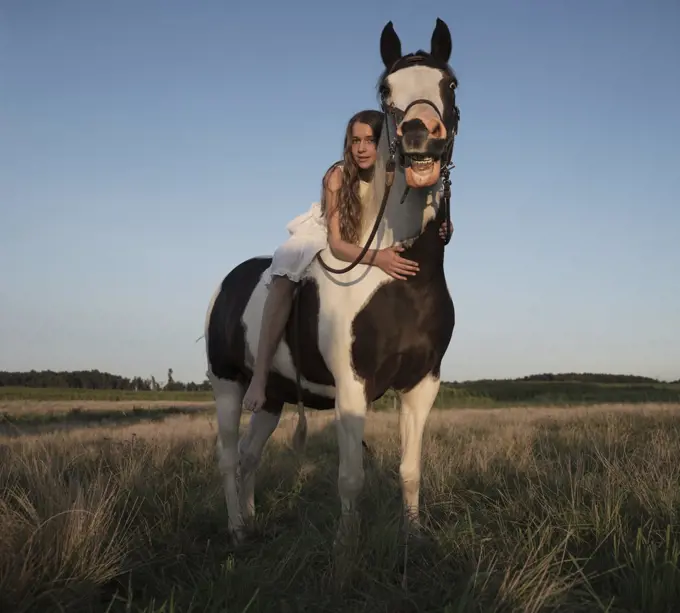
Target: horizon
[450,381]
[134,176]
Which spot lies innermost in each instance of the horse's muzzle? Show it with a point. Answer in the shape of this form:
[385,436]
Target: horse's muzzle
[421,159]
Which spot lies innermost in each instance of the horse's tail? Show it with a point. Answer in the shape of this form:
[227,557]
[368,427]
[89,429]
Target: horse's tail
[300,434]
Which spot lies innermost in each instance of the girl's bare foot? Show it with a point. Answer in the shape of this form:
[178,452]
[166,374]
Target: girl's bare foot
[254,397]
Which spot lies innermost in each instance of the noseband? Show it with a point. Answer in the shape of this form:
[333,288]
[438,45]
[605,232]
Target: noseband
[398,116]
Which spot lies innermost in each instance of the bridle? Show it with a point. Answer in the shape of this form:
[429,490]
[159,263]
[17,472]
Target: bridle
[391,112]
[446,156]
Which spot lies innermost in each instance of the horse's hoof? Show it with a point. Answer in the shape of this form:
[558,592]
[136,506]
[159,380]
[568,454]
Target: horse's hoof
[239,536]
[414,530]
[348,530]
[413,527]
[417,535]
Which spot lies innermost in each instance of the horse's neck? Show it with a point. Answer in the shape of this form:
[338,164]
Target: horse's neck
[403,220]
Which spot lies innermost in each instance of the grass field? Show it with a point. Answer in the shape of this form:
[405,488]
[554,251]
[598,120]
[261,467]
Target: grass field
[18,416]
[43,394]
[527,509]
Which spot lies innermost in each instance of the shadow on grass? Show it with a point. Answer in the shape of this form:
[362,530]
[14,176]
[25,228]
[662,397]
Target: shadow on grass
[176,551]
[290,563]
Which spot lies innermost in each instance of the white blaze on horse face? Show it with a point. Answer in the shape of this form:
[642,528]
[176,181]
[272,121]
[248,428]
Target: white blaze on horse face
[413,83]
[406,86]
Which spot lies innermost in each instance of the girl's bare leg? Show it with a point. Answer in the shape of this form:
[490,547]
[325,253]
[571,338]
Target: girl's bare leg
[274,317]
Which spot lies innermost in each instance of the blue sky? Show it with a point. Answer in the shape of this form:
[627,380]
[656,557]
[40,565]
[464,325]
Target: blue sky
[148,147]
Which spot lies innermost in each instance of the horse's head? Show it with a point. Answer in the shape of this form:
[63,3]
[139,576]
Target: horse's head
[418,95]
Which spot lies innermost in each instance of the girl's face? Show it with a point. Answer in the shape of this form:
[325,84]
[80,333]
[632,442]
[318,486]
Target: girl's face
[364,148]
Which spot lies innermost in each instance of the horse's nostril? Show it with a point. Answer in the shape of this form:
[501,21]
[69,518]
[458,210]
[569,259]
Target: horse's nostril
[413,125]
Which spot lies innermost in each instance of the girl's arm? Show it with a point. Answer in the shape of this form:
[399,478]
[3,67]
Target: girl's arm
[387,259]
[341,249]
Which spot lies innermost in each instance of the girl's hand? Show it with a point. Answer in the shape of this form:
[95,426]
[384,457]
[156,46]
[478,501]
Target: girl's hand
[442,230]
[393,264]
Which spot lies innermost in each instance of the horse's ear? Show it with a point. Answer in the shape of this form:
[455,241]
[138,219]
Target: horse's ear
[390,45]
[440,44]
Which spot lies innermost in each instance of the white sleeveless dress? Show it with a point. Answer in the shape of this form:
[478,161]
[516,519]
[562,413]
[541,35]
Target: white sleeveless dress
[308,236]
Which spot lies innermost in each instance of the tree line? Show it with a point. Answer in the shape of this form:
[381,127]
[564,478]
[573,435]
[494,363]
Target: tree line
[96,379]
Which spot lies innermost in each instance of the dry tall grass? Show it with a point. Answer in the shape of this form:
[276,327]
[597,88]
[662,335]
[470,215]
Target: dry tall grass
[527,510]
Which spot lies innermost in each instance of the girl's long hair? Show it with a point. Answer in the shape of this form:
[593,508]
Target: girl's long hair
[349,202]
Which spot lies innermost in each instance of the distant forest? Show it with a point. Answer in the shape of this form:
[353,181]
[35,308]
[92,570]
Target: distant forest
[97,380]
[540,389]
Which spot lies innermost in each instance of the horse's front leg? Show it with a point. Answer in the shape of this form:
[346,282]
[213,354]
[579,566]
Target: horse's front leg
[350,415]
[415,409]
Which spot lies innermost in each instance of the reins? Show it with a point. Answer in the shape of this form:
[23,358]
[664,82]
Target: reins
[389,179]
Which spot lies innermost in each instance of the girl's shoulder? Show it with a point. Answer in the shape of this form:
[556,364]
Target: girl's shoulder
[332,180]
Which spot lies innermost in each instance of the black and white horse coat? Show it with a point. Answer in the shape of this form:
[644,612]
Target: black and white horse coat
[360,332]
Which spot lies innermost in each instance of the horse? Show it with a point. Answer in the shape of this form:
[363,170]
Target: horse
[354,332]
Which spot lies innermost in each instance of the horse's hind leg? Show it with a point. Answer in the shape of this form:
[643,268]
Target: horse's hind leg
[262,425]
[228,397]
